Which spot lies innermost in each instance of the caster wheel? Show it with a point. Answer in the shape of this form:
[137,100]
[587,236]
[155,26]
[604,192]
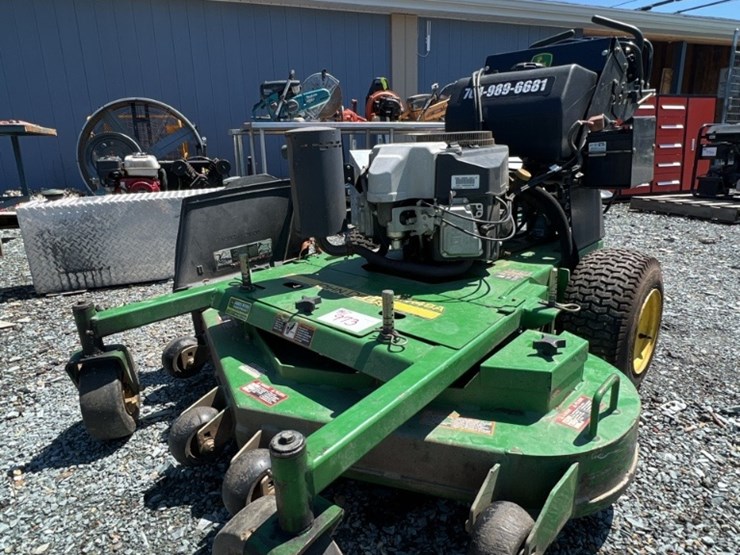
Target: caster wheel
[501,529]
[109,408]
[182,439]
[248,478]
[184,357]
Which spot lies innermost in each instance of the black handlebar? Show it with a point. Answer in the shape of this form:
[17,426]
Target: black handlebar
[644,47]
[565,35]
[619,26]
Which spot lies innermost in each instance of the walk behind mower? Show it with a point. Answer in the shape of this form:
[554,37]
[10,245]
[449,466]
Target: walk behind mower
[467,336]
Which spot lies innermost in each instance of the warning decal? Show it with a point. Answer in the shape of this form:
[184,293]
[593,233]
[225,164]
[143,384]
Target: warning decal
[454,421]
[512,275]
[238,309]
[577,415]
[265,394]
[293,330]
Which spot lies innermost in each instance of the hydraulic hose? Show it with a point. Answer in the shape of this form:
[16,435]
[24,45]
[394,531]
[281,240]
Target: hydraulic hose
[550,207]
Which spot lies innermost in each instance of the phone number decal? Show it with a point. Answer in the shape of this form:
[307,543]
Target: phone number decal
[512,88]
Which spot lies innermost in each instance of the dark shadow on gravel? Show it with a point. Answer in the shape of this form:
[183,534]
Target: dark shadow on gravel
[17,293]
[207,543]
[73,446]
[173,395]
[160,377]
[583,536]
[198,487]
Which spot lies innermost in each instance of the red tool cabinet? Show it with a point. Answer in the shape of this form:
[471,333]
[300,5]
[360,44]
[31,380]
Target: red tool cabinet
[677,123]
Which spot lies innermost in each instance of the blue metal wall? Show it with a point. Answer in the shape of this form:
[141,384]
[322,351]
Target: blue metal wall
[61,60]
[458,48]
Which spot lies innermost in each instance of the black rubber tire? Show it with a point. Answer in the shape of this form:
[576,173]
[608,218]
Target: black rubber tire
[242,478]
[181,440]
[501,529]
[611,285]
[184,357]
[105,412]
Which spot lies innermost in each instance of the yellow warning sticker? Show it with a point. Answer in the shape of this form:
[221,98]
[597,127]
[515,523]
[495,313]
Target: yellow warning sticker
[422,309]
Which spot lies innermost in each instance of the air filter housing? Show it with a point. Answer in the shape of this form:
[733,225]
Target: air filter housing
[317,180]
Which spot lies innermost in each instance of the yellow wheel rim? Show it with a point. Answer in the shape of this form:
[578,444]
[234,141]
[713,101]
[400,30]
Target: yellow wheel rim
[646,334]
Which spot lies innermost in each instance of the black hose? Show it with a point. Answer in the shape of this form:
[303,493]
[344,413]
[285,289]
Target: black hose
[415,270]
[550,207]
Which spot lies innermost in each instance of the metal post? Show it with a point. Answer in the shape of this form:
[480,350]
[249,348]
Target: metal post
[239,153]
[388,329]
[246,272]
[289,461]
[677,81]
[83,313]
[251,149]
[730,76]
[19,164]
[263,152]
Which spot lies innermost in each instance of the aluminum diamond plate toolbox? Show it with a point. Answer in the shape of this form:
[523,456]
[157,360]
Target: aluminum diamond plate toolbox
[88,242]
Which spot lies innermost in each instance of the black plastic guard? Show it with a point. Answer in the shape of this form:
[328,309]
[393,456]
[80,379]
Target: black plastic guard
[216,227]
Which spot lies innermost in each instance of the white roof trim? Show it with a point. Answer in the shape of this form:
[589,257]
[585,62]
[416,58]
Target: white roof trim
[533,12]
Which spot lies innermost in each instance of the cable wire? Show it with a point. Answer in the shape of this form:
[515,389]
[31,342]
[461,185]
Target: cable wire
[704,6]
[657,4]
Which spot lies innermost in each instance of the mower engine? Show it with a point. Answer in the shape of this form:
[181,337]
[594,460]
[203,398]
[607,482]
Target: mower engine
[136,173]
[438,200]
[563,113]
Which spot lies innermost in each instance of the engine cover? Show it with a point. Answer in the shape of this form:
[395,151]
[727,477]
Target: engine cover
[139,185]
[141,165]
[531,111]
[438,199]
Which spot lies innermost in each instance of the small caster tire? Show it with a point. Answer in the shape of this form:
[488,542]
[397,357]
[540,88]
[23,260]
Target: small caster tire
[182,439]
[109,408]
[501,529]
[184,357]
[248,478]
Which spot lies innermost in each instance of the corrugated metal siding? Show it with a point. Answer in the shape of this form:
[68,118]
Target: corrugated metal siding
[458,48]
[60,61]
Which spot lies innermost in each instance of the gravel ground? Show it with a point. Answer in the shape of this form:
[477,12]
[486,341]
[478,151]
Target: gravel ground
[63,492]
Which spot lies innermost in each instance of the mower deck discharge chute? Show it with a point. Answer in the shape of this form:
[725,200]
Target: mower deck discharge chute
[465,336]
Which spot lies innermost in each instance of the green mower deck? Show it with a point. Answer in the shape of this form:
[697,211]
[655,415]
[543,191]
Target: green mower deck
[466,394]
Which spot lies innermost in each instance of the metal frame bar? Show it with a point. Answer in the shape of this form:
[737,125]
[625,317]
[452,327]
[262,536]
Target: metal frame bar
[379,129]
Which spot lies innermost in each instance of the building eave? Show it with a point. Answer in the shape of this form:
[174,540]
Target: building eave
[655,26]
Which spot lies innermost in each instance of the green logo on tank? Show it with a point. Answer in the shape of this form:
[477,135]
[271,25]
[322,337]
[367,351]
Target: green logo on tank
[544,58]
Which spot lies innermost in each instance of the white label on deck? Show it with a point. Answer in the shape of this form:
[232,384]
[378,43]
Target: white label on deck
[350,320]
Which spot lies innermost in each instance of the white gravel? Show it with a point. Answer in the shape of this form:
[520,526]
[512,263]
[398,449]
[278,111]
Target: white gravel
[63,492]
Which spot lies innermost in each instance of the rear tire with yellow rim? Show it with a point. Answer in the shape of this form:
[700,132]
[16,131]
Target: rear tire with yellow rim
[620,293]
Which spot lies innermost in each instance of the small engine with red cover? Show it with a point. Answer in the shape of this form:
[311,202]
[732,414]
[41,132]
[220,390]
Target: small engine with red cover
[136,173]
